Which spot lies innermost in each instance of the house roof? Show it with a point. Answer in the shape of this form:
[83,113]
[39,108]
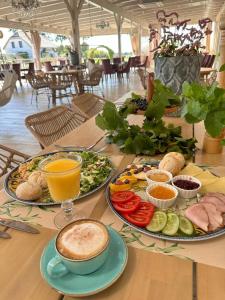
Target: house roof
[45,42]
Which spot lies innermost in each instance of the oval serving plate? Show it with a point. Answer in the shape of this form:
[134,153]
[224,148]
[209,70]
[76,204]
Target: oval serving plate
[12,194]
[202,237]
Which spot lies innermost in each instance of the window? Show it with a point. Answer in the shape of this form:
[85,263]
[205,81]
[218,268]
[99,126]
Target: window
[20,44]
[13,44]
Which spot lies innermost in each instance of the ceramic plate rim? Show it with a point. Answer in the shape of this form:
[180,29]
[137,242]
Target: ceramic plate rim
[160,236]
[100,289]
[34,203]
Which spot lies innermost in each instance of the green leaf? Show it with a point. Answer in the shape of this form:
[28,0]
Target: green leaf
[222,68]
[223,142]
[215,122]
[101,122]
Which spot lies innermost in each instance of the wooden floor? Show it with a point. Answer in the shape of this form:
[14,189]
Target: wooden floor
[13,132]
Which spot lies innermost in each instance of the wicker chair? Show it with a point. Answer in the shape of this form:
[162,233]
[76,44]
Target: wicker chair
[88,104]
[9,159]
[7,85]
[39,86]
[51,125]
[88,82]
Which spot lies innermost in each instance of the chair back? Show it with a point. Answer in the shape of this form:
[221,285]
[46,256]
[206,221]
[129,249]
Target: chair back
[62,62]
[9,79]
[211,61]
[10,158]
[132,61]
[128,65]
[48,66]
[16,68]
[49,126]
[37,81]
[88,104]
[31,68]
[96,76]
[137,60]
[117,60]
[107,67]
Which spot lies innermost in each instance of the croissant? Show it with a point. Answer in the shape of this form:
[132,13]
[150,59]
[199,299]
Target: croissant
[28,191]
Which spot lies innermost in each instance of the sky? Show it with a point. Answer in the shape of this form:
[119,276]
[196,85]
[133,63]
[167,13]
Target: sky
[107,40]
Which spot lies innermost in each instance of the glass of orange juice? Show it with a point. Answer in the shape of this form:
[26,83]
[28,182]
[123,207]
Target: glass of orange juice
[62,172]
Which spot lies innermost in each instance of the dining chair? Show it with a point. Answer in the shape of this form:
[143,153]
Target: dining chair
[49,126]
[116,60]
[88,82]
[61,84]
[88,104]
[7,86]
[108,68]
[16,68]
[48,66]
[40,86]
[125,69]
[10,158]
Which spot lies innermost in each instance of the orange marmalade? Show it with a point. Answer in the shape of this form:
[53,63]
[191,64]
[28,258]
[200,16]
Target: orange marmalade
[162,192]
[160,177]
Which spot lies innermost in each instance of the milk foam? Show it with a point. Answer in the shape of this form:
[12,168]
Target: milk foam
[83,240]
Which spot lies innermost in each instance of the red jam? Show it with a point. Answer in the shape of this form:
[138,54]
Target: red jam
[186,184]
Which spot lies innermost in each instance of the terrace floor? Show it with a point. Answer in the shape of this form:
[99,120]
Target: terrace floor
[13,132]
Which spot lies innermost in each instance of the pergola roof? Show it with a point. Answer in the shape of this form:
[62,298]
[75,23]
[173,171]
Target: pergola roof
[53,16]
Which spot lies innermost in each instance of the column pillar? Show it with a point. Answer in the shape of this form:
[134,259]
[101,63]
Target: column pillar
[208,41]
[35,40]
[139,34]
[74,8]
[119,22]
[221,75]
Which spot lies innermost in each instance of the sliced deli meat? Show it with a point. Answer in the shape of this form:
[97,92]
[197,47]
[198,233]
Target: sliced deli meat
[215,217]
[220,196]
[220,205]
[198,215]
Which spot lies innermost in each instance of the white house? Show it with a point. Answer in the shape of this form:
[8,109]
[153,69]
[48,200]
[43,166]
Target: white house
[19,44]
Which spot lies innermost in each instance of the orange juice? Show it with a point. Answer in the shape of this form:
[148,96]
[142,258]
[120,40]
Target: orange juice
[63,178]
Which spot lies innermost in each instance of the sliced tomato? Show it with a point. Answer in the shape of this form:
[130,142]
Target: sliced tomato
[137,219]
[128,206]
[122,196]
[146,207]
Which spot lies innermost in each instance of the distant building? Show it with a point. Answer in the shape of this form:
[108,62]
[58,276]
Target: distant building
[19,45]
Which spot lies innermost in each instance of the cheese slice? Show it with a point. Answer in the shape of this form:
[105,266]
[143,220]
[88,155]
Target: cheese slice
[191,169]
[206,178]
[216,187]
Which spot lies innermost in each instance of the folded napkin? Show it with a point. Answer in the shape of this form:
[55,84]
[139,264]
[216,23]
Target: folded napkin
[210,182]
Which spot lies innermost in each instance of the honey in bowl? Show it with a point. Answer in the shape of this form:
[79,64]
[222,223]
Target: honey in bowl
[162,192]
[159,177]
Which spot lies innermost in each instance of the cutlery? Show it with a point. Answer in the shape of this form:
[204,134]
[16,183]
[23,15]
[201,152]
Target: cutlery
[18,225]
[79,147]
[5,235]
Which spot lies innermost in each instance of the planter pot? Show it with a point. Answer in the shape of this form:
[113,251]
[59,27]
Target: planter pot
[74,58]
[173,71]
[172,111]
[212,145]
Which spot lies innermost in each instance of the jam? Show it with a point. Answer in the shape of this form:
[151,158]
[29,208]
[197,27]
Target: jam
[186,184]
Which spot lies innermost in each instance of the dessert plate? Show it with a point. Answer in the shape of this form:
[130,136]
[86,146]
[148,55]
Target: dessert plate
[86,285]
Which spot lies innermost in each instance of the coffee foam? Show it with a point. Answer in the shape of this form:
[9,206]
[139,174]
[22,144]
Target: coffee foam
[82,240]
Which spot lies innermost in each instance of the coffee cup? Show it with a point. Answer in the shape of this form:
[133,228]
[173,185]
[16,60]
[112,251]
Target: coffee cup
[82,247]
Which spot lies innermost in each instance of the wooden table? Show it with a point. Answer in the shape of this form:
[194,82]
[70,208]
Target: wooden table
[147,276]
[54,75]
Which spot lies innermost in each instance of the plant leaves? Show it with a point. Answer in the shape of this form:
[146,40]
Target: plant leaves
[222,68]
[215,122]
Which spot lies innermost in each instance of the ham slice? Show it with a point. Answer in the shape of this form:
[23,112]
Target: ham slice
[215,217]
[198,215]
[220,196]
[220,205]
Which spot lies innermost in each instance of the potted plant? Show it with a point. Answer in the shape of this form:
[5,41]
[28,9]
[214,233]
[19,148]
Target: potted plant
[206,103]
[178,56]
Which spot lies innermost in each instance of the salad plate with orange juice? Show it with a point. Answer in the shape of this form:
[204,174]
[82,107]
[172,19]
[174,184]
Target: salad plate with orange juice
[169,199]
[39,180]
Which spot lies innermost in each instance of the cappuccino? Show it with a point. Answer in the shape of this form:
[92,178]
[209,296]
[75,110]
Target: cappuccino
[82,240]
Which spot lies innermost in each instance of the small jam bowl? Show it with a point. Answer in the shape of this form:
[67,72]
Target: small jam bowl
[157,171]
[187,193]
[162,203]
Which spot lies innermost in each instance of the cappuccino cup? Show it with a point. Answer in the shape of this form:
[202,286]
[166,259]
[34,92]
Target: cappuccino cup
[82,247]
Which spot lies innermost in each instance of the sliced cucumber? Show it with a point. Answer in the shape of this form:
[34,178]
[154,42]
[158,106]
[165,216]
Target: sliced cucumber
[158,222]
[186,226]
[172,224]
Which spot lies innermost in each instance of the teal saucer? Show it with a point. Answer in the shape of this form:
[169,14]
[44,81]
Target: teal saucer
[86,285]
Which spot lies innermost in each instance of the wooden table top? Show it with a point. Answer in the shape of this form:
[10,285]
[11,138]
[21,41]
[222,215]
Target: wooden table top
[206,71]
[147,276]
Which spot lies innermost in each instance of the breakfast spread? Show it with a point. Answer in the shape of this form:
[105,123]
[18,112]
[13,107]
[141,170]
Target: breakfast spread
[157,202]
[28,183]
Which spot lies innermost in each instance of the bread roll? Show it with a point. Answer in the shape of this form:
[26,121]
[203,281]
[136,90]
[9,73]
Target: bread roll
[37,177]
[178,156]
[28,191]
[170,164]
